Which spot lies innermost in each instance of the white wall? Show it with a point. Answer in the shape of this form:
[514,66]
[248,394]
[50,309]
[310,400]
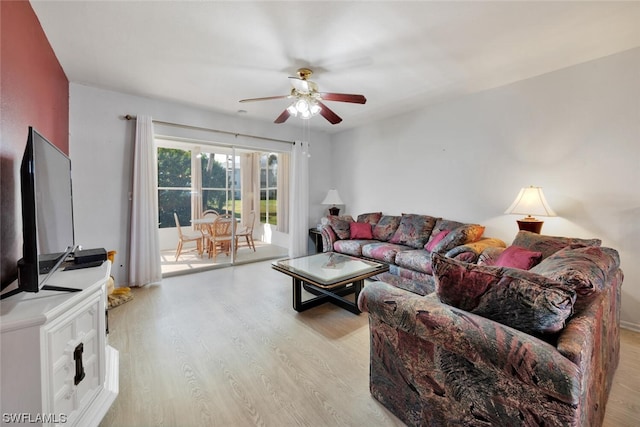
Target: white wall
[101,151]
[575,132]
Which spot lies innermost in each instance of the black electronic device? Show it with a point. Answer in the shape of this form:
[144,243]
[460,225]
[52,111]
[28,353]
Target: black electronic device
[47,214]
[89,255]
[89,264]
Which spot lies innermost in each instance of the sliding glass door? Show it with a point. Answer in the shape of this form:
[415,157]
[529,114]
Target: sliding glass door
[194,178]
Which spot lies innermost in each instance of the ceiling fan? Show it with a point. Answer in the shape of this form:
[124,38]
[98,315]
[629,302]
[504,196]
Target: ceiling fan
[307,100]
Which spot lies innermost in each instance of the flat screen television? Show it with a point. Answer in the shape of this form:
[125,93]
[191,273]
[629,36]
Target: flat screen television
[47,213]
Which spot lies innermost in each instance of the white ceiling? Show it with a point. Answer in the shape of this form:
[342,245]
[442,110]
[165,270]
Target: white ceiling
[400,55]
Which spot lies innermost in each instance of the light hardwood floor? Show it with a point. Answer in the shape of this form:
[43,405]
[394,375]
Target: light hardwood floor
[225,348]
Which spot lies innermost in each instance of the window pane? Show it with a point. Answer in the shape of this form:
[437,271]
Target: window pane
[273,207]
[213,172]
[214,199]
[263,206]
[174,167]
[170,201]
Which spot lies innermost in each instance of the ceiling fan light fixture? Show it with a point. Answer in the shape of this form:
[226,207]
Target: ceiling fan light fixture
[302,105]
[306,100]
[315,109]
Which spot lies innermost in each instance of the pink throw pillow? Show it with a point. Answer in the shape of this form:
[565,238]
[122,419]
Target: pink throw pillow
[518,257]
[360,230]
[436,239]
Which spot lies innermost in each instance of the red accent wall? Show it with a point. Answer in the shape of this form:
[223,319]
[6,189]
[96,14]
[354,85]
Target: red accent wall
[34,91]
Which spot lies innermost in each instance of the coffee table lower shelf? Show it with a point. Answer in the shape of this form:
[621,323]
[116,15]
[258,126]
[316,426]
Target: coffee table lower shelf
[334,296]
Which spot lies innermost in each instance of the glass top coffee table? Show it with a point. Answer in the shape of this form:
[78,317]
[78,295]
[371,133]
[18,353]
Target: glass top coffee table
[330,276]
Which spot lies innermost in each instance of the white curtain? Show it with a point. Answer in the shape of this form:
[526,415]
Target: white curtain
[196,183]
[299,200]
[284,194]
[144,250]
[250,184]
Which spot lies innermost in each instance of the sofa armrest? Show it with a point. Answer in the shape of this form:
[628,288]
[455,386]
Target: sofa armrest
[470,252]
[491,346]
[328,238]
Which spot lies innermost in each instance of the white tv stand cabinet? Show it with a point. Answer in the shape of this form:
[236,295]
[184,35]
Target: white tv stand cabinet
[56,365]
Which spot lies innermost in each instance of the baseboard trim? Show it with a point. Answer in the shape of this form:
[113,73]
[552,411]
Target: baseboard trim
[631,326]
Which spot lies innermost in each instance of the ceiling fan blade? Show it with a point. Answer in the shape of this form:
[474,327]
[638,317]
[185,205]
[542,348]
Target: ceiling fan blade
[328,114]
[343,97]
[282,117]
[268,98]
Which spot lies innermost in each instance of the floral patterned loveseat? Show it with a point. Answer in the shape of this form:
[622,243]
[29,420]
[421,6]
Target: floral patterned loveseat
[500,345]
[406,243]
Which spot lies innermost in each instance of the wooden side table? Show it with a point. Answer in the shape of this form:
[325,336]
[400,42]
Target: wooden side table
[316,236]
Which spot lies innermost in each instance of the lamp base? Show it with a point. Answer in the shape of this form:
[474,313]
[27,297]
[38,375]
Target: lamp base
[334,211]
[532,225]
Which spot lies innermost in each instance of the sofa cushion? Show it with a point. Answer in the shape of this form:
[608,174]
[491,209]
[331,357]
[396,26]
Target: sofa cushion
[443,224]
[371,218]
[523,300]
[417,260]
[490,255]
[518,257]
[582,269]
[412,281]
[549,245]
[467,233]
[341,225]
[434,240]
[386,227]
[414,230]
[360,230]
[383,251]
[351,247]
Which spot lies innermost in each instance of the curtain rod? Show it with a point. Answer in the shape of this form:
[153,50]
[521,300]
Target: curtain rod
[226,132]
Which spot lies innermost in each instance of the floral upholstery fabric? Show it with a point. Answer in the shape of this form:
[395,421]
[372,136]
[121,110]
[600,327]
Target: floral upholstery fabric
[442,225]
[414,230]
[582,269]
[382,251]
[526,301]
[436,365]
[467,233]
[328,238]
[351,247]
[341,225]
[413,275]
[399,279]
[386,227]
[418,260]
[489,255]
[415,268]
[470,252]
[549,245]
[370,218]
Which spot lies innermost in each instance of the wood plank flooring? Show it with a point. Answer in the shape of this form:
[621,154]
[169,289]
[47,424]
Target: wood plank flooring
[225,348]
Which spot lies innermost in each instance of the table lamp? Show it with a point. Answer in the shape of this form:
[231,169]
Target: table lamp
[333,199]
[530,201]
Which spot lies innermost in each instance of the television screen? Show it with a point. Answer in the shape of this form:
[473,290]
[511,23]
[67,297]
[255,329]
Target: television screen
[47,212]
[54,208]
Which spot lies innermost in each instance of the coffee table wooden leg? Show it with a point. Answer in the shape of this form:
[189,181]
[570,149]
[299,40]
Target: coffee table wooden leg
[297,294]
[298,304]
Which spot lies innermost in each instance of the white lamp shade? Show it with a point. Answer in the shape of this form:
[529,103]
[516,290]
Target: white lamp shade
[333,198]
[530,201]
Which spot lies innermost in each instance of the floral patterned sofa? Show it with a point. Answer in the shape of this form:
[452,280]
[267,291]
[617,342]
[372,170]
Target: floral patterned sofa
[406,243]
[496,344]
